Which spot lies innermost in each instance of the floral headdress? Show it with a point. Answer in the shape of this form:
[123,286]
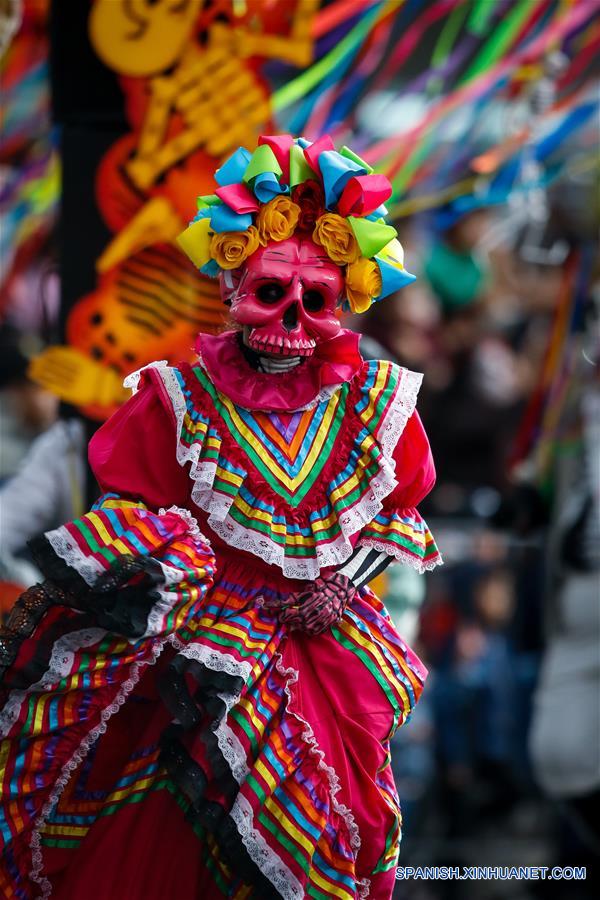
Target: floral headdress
[290,186]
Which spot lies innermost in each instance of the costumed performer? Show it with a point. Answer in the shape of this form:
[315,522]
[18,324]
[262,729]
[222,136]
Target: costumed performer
[189,716]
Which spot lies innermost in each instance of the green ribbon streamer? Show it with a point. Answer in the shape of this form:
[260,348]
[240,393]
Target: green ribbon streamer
[446,40]
[481,13]
[298,87]
[371,236]
[503,35]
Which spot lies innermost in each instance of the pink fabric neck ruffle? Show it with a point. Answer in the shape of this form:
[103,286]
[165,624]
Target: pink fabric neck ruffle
[334,362]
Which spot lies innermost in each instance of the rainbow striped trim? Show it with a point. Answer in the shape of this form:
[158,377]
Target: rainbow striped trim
[405,536]
[283,820]
[269,486]
[117,530]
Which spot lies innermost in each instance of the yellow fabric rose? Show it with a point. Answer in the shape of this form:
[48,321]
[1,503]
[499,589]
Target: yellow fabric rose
[231,248]
[277,219]
[363,284]
[336,237]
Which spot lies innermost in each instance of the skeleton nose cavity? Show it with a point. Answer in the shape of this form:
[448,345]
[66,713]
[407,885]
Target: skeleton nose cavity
[290,317]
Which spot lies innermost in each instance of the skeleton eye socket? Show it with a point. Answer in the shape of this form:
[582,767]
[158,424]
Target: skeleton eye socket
[313,301]
[271,292]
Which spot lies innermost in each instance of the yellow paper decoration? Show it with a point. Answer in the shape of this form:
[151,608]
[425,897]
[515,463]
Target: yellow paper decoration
[195,242]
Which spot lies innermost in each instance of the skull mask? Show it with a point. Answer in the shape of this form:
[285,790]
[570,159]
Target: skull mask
[285,296]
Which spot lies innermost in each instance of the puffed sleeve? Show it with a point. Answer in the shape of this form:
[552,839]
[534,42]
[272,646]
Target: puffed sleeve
[136,562]
[398,529]
[133,453]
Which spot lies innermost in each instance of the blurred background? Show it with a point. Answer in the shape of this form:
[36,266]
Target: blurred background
[484,114]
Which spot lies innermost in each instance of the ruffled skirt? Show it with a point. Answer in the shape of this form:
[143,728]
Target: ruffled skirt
[228,758]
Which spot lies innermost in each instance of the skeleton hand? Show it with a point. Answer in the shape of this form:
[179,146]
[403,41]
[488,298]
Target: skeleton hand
[320,606]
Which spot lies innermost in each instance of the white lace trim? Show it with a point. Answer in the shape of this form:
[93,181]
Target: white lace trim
[350,521]
[270,864]
[324,395]
[189,519]
[133,379]
[394,422]
[259,851]
[403,556]
[233,752]
[364,888]
[213,659]
[332,554]
[36,874]
[61,660]
[229,744]
[308,736]
[66,547]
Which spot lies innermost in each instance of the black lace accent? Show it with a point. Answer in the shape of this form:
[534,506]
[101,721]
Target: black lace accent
[56,569]
[119,601]
[191,780]
[27,612]
[27,673]
[204,709]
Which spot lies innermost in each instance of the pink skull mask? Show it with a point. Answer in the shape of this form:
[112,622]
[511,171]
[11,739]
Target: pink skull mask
[285,296]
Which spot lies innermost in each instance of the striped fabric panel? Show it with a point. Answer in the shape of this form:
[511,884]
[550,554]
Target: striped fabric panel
[279,802]
[92,668]
[77,810]
[290,468]
[285,811]
[259,475]
[116,530]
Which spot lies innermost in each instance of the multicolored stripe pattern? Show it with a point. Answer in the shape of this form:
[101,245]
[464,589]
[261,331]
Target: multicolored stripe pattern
[294,488]
[117,531]
[240,727]
[405,536]
[85,657]
[272,818]
[285,796]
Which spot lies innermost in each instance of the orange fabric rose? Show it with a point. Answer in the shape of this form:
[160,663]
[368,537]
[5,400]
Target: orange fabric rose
[363,284]
[231,248]
[277,219]
[337,239]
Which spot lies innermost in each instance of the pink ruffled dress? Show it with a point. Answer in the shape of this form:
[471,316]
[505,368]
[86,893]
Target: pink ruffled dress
[226,756]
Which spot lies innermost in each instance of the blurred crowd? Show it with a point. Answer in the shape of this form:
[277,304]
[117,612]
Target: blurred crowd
[501,763]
